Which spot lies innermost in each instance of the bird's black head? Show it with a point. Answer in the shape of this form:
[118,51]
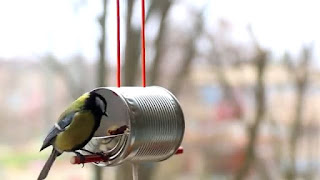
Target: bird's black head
[97,103]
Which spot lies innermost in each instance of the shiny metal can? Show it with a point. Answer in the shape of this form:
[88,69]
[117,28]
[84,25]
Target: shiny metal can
[155,124]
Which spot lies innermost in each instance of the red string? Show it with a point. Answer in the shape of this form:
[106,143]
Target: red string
[118,44]
[143,45]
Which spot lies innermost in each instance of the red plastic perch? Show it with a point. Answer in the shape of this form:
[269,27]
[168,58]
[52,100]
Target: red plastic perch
[88,159]
[99,158]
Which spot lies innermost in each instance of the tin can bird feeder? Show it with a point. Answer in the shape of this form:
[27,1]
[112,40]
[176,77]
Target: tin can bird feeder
[144,124]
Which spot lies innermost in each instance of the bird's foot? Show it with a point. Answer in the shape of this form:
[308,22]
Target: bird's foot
[81,157]
[103,155]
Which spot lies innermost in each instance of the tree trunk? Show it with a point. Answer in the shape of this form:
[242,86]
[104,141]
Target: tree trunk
[260,110]
[101,81]
[301,74]
[102,46]
[132,49]
[130,69]
[154,70]
[190,53]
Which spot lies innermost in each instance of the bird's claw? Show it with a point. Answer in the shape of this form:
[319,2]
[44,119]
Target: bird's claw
[81,157]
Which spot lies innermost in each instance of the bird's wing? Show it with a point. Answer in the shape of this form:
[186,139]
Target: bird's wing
[76,105]
[65,119]
[78,134]
[57,128]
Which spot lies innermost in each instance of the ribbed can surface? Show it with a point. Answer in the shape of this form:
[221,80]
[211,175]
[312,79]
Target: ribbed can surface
[156,123]
[154,120]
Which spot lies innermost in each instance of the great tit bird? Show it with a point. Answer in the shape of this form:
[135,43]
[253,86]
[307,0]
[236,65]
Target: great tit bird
[75,127]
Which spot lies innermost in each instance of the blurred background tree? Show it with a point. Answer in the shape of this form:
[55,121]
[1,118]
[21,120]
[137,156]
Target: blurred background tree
[251,112]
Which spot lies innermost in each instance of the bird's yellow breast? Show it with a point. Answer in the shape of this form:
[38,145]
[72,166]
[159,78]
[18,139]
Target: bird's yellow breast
[79,131]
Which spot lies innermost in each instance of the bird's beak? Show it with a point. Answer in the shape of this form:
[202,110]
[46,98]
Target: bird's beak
[106,114]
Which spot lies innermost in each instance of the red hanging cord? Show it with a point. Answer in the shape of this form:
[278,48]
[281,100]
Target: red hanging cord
[143,45]
[118,44]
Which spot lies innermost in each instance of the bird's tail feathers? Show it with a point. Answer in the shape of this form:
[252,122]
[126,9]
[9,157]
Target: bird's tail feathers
[46,168]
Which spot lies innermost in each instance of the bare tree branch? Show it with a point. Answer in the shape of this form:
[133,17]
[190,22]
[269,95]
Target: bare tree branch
[75,89]
[215,59]
[261,60]
[190,53]
[154,70]
[301,79]
[101,68]
[102,47]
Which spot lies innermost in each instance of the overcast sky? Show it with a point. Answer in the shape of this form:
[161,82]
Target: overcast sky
[64,28]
